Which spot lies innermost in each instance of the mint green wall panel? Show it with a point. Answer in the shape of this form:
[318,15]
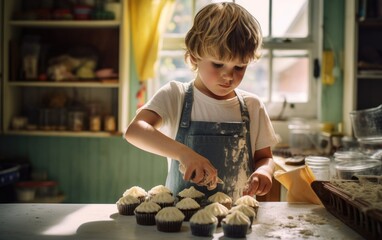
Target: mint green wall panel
[332,95]
[88,170]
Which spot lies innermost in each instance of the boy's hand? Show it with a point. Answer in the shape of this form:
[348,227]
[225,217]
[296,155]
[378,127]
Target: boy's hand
[259,183]
[200,171]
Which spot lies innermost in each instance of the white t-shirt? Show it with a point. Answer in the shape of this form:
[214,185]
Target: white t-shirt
[168,103]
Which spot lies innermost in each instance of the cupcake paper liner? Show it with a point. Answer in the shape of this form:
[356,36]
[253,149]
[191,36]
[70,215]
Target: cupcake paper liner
[203,230]
[145,218]
[124,209]
[169,226]
[235,231]
[188,213]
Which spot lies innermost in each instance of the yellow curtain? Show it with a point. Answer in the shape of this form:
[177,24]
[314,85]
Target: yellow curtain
[148,19]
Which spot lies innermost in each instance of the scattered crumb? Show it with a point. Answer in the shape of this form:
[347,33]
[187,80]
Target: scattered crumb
[289,225]
[290,217]
[272,236]
[306,232]
[313,219]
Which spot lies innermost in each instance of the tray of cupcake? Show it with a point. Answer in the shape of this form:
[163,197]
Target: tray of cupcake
[158,207]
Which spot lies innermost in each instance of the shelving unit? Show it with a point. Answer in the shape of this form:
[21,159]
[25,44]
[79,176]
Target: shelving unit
[27,98]
[362,61]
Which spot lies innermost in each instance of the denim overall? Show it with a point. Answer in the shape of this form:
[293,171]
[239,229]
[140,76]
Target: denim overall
[226,145]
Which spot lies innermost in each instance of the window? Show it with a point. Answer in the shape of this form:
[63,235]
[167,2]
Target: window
[284,73]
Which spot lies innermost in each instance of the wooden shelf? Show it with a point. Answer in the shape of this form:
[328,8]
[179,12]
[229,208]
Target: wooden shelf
[63,133]
[370,23]
[367,76]
[66,24]
[94,84]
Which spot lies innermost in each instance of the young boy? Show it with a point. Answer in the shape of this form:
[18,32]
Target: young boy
[218,137]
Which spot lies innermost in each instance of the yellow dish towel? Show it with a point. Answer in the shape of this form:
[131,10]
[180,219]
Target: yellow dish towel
[297,182]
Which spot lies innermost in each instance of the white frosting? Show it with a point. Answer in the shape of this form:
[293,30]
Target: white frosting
[135,192]
[159,189]
[247,210]
[128,200]
[163,198]
[187,203]
[148,207]
[191,192]
[220,197]
[217,209]
[203,216]
[236,218]
[169,214]
[247,200]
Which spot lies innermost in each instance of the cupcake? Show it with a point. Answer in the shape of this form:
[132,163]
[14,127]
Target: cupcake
[137,192]
[169,219]
[218,210]
[188,207]
[203,223]
[145,213]
[221,198]
[249,201]
[163,200]
[247,210]
[158,189]
[235,225]
[127,204]
[191,193]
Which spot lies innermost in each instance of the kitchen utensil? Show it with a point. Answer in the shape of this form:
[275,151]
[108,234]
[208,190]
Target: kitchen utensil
[347,169]
[367,123]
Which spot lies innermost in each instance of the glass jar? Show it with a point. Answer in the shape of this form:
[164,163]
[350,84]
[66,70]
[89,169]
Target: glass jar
[76,121]
[348,169]
[348,156]
[320,167]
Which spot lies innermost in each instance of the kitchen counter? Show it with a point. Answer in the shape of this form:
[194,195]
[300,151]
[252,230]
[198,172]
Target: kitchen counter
[275,220]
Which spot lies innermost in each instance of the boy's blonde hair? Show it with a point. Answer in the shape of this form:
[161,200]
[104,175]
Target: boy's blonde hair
[225,31]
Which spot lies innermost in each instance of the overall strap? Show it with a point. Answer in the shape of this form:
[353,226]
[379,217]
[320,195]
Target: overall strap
[243,107]
[187,106]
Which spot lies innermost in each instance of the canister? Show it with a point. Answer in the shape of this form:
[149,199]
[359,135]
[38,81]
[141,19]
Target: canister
[320,167]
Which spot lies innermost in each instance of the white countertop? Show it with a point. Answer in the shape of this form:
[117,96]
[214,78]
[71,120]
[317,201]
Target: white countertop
[275,220]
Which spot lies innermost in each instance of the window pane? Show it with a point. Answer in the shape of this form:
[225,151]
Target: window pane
[290,76]
[260,10]
[182,18]
[290,18]
[173,67]
[256,78]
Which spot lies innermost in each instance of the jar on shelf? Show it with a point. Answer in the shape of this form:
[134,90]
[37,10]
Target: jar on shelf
[94,111]
[95,123]
[109,123]
[76,120]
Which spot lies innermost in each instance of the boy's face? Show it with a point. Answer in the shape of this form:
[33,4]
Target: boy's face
[218,79]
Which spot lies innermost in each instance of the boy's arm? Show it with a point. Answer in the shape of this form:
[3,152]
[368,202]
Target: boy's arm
[143,133]
[260,182]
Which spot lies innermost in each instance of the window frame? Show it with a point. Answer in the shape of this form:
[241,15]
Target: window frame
[312,44]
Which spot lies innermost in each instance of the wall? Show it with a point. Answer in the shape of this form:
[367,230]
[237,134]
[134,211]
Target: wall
[94,170]
[331,95]
[99,169]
